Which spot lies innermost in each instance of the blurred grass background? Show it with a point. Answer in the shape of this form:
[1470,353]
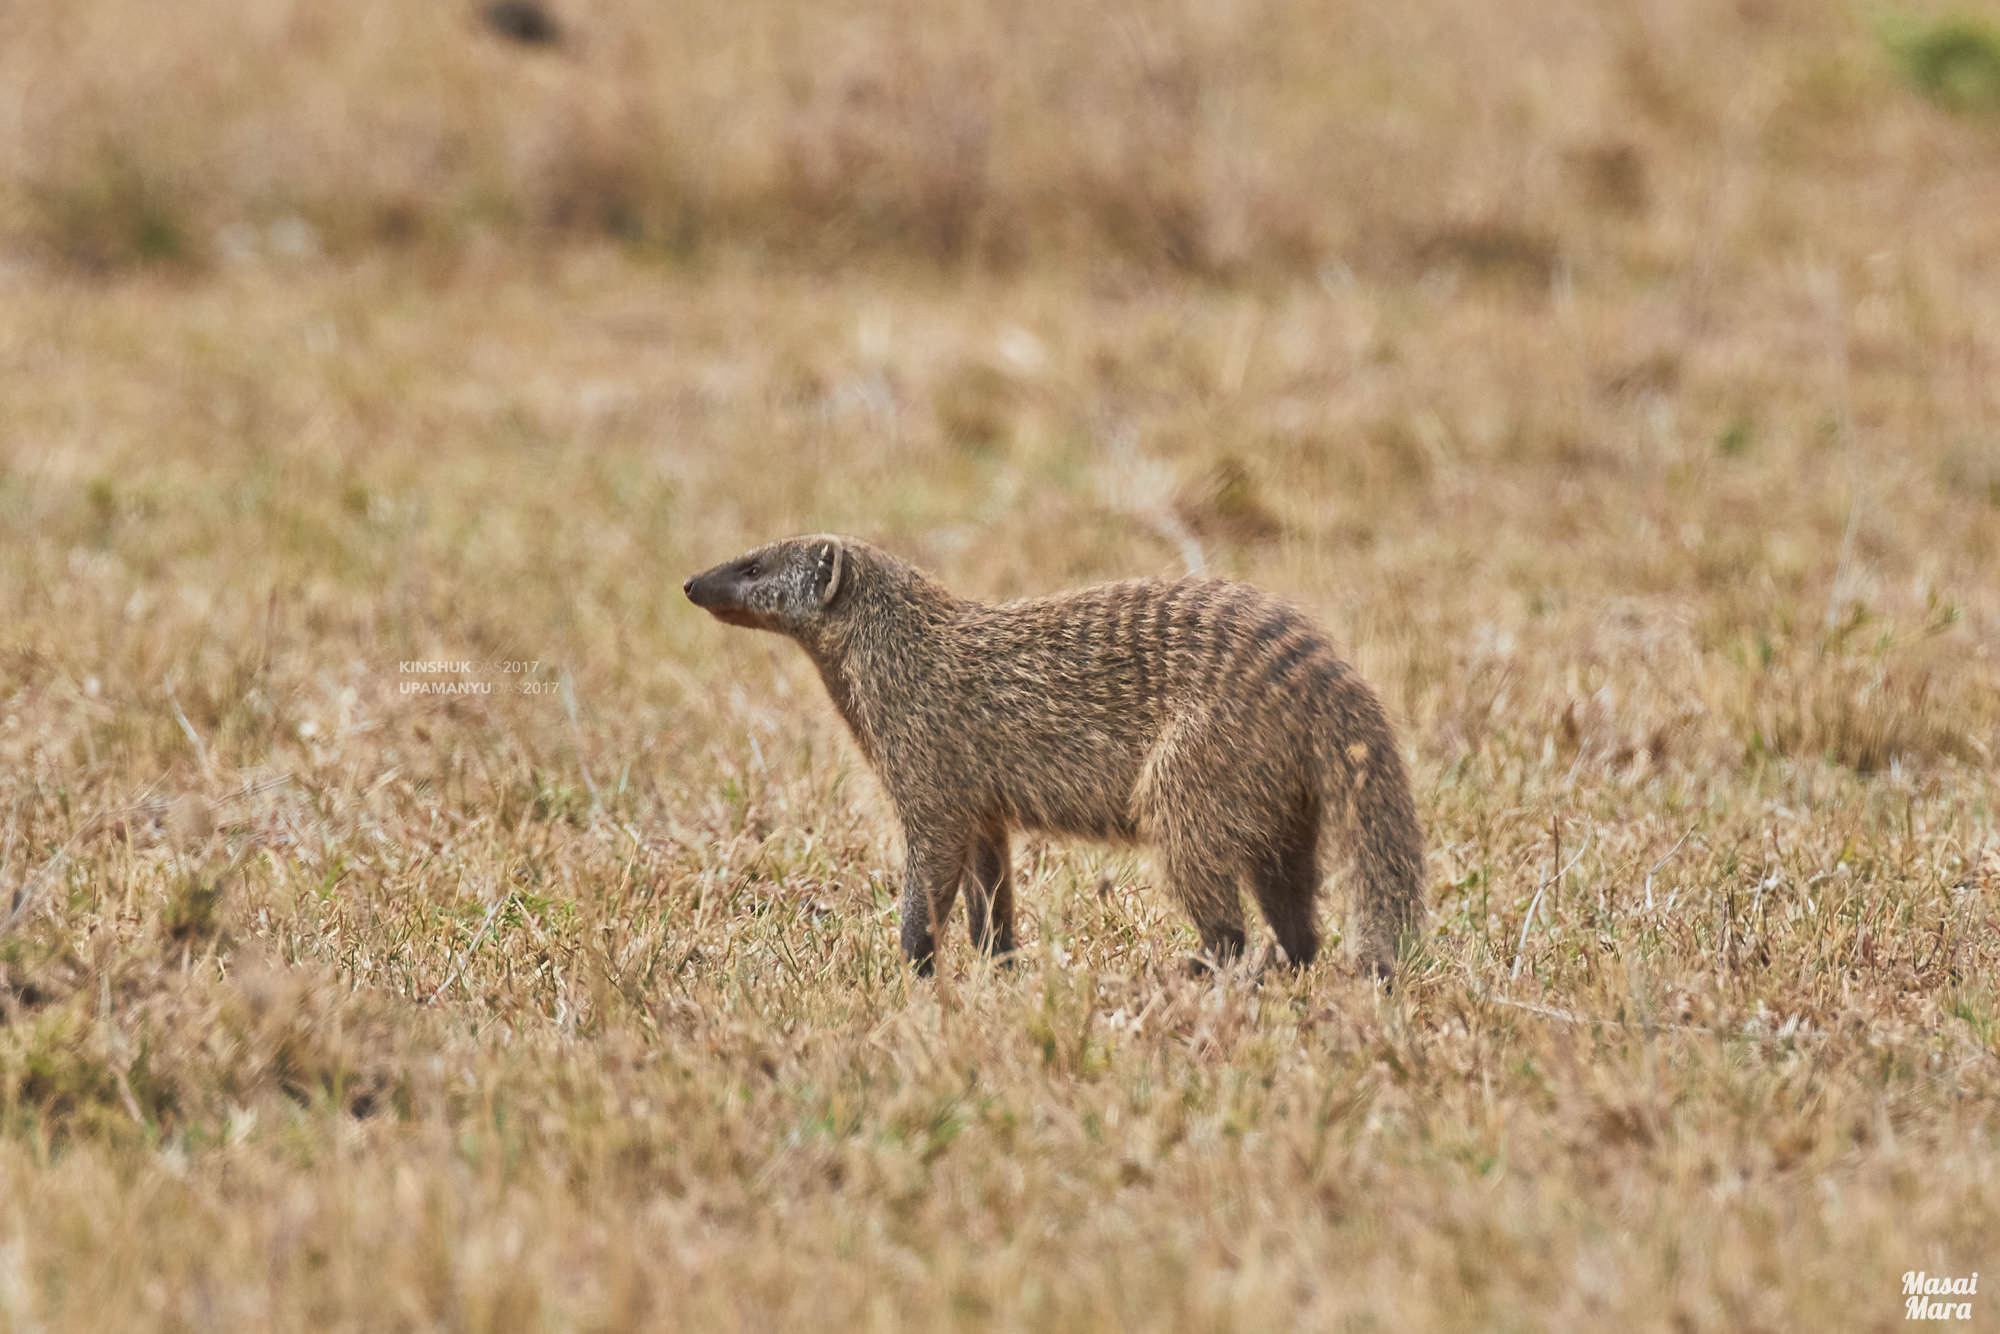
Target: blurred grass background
[1223,139]
[1621,385]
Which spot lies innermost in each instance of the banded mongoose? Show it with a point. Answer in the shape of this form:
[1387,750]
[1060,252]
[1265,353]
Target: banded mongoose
[1203,717]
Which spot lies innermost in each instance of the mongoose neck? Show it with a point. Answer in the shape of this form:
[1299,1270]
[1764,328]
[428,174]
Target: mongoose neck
[883,636]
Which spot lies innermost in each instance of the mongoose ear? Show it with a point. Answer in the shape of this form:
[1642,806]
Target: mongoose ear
[832,564]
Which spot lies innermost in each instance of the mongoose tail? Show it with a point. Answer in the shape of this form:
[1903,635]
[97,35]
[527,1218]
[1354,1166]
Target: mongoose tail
[1372,822]
[1202,717]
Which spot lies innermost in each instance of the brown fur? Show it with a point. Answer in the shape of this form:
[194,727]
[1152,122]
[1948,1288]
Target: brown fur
[1203,717]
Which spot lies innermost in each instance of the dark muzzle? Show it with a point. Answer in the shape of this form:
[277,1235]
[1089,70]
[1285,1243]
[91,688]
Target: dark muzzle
[719,592]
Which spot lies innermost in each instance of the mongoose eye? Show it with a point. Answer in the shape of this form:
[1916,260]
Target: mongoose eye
[752,570]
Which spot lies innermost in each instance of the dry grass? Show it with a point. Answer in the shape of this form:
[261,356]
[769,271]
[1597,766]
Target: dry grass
[1622,390]
[1247,137]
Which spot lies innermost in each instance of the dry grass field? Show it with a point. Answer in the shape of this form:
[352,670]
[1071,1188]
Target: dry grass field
[1619,384]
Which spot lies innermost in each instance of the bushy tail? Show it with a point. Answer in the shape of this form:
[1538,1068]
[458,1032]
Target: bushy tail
[1372,823]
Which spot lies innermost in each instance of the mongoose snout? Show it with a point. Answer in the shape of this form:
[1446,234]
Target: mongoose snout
[728,592]
[1202,717]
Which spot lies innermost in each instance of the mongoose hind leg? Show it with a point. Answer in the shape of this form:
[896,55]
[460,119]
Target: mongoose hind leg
[934,866]
[989,895]
[1210,893]
[1286,882]
[1221,949]
[1183,811]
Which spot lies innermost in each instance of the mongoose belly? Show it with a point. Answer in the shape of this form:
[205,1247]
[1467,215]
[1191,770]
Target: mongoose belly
[1074,782]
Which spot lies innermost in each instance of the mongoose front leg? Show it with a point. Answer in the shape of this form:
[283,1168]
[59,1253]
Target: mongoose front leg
[930,883]
[989,895]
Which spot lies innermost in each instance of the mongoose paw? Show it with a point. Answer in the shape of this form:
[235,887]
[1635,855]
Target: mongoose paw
[1273,959]
[1207,964]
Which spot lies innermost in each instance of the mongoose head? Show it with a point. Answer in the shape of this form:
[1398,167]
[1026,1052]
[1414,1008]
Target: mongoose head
[786,586]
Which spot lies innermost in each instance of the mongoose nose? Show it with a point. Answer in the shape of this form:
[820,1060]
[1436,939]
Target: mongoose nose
[687,585]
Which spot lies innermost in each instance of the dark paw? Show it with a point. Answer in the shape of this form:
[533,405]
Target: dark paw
[1210,964]
[919,945]
[1299,962]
